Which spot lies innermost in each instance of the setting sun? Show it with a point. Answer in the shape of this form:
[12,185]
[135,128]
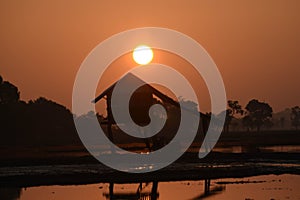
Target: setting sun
[142,55]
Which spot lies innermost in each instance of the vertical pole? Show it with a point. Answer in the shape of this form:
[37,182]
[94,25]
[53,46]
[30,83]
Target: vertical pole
[109,118]
[111,190]
[206,186]
[154,190]
[139,188]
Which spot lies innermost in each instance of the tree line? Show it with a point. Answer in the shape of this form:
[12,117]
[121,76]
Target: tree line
[256,115]
[38,122]
[45,122]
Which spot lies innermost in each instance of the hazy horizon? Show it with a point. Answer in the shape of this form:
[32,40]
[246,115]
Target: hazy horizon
[254,44]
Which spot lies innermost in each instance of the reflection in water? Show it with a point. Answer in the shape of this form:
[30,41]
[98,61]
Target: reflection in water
[140,194]
[10,193]
[257,187]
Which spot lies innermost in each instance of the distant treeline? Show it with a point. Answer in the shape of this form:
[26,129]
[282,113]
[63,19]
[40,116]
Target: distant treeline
[258,115]
[38,122]
[44,122]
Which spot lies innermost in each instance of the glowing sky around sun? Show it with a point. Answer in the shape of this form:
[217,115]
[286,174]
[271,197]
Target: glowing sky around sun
[255,44]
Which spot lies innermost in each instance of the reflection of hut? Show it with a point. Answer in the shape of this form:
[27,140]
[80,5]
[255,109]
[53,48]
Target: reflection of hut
[143,194]
[140,102]
[210,191]
[140,194]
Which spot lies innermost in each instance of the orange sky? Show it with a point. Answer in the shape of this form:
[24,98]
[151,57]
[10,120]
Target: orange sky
[254,43]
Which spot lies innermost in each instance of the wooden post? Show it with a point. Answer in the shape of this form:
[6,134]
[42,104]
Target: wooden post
[111,190]
[109,118]
[154,190]
[206,186]
[139,190]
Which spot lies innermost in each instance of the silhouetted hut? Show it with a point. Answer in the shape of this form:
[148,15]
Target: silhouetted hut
[140,102]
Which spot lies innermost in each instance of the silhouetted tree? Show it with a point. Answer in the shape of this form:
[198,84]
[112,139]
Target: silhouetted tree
[38,124]
[234,108]
[282,121]
[10,112]
[51,123]
[227,121]
[258,114]
[8,92]
[247,122]
[295,117]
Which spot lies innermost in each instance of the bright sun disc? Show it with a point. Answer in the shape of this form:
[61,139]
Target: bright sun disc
[142,54]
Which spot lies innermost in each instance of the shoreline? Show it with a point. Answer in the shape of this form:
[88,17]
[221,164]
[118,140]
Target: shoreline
[72,165]
[216,165]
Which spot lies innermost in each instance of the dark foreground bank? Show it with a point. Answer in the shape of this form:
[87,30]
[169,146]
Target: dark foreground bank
[215,165]
[258,154]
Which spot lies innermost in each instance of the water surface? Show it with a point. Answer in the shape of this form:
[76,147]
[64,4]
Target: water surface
[284,186]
